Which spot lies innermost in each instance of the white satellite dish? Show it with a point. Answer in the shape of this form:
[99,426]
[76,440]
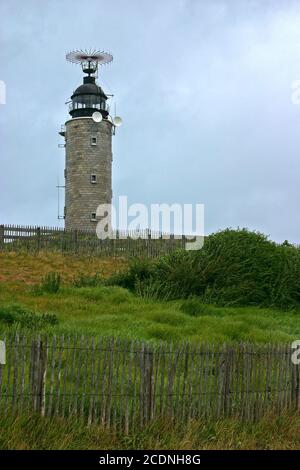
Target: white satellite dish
[96,116]
[117,121]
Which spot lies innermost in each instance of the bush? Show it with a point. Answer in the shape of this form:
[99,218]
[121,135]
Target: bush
[177,272]
[139,269]
[239,267]
[17,315]
[151,289]
[51,283]
[234,267]
[86,280]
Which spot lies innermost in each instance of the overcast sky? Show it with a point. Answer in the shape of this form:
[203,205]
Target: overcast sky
[204,90]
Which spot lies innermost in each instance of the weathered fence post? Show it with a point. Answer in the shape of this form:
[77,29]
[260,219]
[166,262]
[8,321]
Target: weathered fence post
[228,366]
[220,380]
[38,238]
[295,386]
[38,375]
[224,377]
[149,244]
[183,242]
[42,377]
[172,242]
[75,241]
[149,384]
[2,362]
[1,237]
[63,240]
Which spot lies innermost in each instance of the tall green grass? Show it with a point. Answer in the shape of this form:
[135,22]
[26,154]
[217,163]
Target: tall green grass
[31,431]
[115,311]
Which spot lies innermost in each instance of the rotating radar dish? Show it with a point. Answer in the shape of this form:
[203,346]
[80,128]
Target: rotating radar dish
[80,56]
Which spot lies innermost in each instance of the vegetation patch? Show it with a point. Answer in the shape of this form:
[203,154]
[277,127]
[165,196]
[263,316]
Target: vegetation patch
[137,270]
[195,307]
[114,295]
[88,280]
[234,268]
[32,431]
[51,283]
[239,287]
[15,315]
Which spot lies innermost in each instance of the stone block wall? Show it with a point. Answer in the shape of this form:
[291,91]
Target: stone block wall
[88,157]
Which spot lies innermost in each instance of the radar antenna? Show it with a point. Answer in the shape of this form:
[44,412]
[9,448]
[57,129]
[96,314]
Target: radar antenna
[89,59]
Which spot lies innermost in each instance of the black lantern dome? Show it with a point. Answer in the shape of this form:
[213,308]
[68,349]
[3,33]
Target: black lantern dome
[88,98]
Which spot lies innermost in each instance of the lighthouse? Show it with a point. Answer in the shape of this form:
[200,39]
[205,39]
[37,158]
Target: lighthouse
[88,145]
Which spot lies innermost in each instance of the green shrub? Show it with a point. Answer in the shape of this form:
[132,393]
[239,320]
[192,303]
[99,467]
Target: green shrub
[177,271]
[86,280]
[139,269]
[151,289]
[239,267]
[234,267]
[17,315]
[51,283]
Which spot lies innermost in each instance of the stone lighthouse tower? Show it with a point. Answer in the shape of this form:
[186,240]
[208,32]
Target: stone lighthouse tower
[88,143]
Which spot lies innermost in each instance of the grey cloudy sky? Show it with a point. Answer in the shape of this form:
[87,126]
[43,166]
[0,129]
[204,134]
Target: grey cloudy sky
[203,87]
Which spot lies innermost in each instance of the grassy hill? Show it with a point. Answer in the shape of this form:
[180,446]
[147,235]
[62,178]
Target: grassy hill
[23,269]
[113,310]
[108,297]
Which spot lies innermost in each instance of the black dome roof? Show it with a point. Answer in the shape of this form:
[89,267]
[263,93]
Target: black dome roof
[89,89]
[88,97]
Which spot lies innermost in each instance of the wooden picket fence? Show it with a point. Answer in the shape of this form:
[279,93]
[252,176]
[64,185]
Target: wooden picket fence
[125,384]
[131,243]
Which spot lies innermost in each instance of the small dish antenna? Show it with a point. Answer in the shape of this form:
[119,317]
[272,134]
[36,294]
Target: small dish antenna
[117,121]
[96,116]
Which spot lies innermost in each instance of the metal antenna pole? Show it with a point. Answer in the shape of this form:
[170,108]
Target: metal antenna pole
[58,204]
[60,217]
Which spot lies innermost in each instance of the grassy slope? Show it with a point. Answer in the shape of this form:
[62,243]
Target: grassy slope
[114,311]
[29,269]
[33,432]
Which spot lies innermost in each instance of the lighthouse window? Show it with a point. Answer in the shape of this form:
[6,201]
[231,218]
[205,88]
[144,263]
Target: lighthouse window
[93,178]
[93,216]
[94,140]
